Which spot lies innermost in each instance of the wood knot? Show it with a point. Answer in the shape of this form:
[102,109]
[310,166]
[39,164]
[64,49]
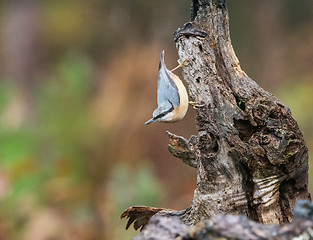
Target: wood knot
[260,113]
[189,29]
[207,142]
[261,110]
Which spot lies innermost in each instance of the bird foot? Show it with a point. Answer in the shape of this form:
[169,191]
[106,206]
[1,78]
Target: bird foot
[184,63]
[196,105]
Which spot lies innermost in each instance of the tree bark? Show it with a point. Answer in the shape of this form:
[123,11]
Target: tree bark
[231,227]
[250,155]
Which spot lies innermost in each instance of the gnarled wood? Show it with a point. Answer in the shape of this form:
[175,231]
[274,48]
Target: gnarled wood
[250,155]
[231,227]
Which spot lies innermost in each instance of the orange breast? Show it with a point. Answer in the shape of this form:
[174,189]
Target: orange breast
[180,112]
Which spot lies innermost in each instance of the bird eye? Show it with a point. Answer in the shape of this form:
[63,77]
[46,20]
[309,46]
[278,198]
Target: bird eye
[162,114]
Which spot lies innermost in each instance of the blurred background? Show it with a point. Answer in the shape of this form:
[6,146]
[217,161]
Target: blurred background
[77,83]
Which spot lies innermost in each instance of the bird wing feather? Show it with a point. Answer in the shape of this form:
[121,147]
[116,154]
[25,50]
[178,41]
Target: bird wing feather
[167,89]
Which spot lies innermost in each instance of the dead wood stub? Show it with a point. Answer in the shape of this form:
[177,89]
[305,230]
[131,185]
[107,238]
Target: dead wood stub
[231,227]
[258,145]
[250,155]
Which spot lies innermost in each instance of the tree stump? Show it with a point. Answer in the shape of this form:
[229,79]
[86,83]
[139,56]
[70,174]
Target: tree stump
[232,227]
[250,155]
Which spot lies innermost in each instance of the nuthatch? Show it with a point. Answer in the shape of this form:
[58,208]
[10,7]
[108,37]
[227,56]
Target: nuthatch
[172,97]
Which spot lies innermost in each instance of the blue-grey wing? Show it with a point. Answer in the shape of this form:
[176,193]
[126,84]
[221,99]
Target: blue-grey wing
[167,89]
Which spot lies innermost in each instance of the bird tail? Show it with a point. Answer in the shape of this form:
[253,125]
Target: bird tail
[162,59]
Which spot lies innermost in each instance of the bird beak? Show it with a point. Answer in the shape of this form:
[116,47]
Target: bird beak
[149,121]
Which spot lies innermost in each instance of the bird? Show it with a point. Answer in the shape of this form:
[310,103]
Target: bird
[172,96]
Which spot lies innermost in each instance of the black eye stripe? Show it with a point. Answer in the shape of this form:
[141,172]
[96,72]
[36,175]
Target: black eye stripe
[166,112]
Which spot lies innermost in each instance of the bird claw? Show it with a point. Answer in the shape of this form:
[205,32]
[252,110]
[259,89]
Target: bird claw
[196,105]
[184,63]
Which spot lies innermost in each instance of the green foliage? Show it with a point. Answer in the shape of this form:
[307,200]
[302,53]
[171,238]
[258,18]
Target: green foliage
[298,96]
[131,187]
[134,187]
[31,154]
[47,159]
